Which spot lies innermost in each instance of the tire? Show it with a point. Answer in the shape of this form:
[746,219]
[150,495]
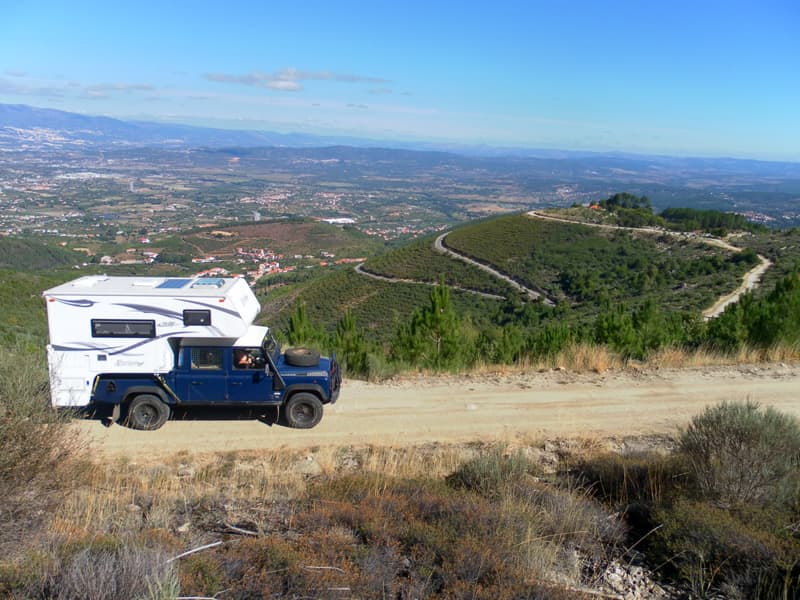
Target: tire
[303,411]
[146,412]
[302,357]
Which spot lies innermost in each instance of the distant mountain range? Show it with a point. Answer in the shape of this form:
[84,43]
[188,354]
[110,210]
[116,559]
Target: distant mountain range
[25,127]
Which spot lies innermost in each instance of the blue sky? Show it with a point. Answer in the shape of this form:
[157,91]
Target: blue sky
[685,78]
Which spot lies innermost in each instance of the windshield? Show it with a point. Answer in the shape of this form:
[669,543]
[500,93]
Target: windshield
[271,347]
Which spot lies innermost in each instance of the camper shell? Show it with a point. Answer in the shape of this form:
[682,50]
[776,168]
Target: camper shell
[174,341]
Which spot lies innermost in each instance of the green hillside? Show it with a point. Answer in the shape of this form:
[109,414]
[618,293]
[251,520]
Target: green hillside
[587,266]
[376,305]
[23,320]
[419,261]
[32,255]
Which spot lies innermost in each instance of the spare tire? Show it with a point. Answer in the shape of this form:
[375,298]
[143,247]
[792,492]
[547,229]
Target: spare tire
[302,357]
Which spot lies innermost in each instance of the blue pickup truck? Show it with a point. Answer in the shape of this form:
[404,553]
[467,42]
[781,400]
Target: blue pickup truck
[251,372]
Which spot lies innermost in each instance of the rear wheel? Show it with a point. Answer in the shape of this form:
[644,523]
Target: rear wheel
[146,412]
[303,411]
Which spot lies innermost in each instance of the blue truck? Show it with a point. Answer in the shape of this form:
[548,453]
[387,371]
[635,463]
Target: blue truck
[248,374]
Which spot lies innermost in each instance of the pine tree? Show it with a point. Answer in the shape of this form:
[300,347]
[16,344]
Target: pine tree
[301,331]
[351,346]
[435,337]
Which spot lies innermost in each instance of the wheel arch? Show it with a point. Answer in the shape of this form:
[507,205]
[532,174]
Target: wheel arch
[134,391]
[310,388]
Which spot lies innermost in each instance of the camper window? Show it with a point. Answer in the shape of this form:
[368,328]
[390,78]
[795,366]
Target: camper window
[197,317]
[127,328]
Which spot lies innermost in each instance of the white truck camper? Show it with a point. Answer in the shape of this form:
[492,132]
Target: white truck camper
[100,324]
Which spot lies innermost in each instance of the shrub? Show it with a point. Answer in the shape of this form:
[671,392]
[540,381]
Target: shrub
[37,449]
[124,574]
[492,472]
[740,454]
[714,550]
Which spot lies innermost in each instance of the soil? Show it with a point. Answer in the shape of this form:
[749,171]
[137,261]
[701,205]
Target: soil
[478,407]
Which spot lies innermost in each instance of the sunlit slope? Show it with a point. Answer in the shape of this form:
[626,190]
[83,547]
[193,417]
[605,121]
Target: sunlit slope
[376,305]
[584,265]
[419,261]
[34,255]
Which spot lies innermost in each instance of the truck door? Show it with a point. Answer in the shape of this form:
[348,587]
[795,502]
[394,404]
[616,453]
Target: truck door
[205,381]
[249,380]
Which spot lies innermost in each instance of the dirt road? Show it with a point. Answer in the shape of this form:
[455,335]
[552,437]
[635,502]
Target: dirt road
[482,407]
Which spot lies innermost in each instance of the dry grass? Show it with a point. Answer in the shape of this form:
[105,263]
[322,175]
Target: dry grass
[340,500]
[585,358]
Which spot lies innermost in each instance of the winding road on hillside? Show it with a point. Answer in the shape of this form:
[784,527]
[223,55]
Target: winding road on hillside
[750,280]
[532,294]
[514,408]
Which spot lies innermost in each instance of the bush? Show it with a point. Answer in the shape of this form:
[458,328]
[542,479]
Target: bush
[715,551]
[37,449]
[124,573]
[491,473]
[740,454]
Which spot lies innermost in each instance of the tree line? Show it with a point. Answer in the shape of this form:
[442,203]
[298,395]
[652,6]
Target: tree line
[437,338]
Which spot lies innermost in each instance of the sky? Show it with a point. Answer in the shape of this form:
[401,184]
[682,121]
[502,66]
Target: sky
[686,78]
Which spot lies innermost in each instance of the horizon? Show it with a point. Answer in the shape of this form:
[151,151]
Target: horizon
[679,80]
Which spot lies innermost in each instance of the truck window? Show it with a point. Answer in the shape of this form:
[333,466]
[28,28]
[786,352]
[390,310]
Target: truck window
[128,328]
[206,358]
[248,358]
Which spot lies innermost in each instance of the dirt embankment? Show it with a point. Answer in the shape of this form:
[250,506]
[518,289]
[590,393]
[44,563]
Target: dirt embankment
[480,407]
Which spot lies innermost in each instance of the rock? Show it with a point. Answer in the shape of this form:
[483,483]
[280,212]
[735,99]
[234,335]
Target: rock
[133,508]
[184,528]
[185,471]
[307,466]
[631,582]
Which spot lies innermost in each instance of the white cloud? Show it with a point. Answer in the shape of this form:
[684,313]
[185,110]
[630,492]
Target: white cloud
[289,79]
[284,85]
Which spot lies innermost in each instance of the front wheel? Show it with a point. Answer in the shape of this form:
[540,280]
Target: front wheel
[303,411]
[146,412]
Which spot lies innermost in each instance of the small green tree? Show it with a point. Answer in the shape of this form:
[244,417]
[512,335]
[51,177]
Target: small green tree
[301,331]
[351,346]
[435,337]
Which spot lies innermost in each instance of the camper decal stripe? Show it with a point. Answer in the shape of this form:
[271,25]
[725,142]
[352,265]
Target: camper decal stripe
[113,350]
[147,341]
[77,303]
[143,308]
[82,347]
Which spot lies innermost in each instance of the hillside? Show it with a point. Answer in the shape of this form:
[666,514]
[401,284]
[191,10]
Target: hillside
[378,306]
[586,266]
[579,266]
[32,255]
[289,237]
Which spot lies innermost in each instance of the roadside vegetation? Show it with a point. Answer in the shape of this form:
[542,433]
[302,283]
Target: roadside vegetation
[440,337]
[531,519]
